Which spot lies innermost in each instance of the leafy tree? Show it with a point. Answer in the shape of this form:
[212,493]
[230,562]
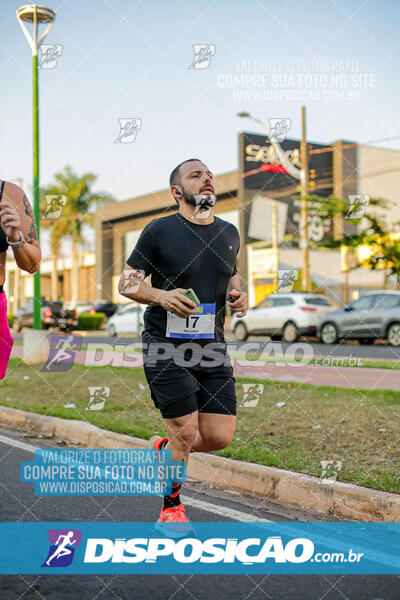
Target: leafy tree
[373,232]
[331,208]
[385,253]
[79,207]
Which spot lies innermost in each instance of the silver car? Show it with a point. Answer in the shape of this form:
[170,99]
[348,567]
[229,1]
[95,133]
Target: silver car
[283,316]
[376,315]
[126,319]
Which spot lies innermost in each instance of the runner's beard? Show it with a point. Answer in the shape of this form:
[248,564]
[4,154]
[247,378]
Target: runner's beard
[202,203]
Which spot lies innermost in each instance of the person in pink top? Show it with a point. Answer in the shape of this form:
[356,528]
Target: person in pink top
[18,231]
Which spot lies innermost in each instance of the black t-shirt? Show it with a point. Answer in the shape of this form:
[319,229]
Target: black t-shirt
[181,254]
[3,241]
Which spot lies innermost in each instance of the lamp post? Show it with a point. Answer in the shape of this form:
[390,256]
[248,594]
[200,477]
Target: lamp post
[37,15]
[302,176]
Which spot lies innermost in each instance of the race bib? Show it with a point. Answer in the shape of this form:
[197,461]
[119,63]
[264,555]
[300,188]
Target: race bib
[196,326]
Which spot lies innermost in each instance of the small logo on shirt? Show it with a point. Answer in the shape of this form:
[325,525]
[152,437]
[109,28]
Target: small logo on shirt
[230,247]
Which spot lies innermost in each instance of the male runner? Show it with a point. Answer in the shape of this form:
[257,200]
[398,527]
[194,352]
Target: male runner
[188,249]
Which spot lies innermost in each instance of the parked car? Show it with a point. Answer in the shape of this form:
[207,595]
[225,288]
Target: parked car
[53,314]
[80,306]
[126,320]
[108,308]
[283,316]
[375,315]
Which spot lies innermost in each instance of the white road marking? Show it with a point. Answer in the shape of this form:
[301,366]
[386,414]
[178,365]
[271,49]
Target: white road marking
[230,513]
[18,444]
[216,509]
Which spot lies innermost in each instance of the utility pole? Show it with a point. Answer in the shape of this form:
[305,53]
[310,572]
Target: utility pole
[275,242]
[306,279]
[337,164]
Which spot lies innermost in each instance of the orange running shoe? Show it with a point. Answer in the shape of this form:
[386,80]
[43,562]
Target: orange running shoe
[157,442]
[173,522]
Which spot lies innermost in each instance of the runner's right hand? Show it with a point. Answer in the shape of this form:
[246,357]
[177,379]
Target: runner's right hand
[174,301]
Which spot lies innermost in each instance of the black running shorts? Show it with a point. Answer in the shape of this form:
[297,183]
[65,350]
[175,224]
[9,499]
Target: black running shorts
[178,390]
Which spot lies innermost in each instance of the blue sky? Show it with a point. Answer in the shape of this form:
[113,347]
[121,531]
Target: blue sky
[127,59]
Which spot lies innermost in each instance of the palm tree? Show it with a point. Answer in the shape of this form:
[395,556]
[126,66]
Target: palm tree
[78,210]
[59,230]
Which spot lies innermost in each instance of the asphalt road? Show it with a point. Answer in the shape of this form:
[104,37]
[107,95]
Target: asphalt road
[379,350]
[204,503]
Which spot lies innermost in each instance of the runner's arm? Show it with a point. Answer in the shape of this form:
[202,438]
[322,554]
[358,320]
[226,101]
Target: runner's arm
[234,283]
[240,302]
[16,215]
[132,286]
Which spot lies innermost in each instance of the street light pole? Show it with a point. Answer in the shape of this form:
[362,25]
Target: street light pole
[31,13]
[36,213]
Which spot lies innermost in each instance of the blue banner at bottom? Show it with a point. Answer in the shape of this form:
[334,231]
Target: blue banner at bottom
[214,548]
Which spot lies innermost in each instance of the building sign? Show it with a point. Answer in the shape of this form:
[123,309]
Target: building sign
[262,263]
[262,173]
[263,266]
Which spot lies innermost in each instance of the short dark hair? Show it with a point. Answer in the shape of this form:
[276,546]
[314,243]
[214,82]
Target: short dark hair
[174,178]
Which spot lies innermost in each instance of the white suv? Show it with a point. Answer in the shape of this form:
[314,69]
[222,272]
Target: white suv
[283,316]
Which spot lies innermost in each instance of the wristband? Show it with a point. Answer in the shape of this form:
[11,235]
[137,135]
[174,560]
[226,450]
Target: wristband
[20,242]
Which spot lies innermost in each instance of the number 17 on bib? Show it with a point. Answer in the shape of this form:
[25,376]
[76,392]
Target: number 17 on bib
[200,325]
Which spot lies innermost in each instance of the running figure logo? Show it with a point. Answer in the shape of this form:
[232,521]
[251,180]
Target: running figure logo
[251,394]
[49,55]
[357,205]
[128,129]
[330,470]
[202,55]
[130,280]
[286,279]
[278,129]
[97,397]
[62,352]
[62,547]
[54,206]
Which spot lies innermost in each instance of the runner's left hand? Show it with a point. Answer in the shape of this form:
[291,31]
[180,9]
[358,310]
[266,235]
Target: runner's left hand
[240,302]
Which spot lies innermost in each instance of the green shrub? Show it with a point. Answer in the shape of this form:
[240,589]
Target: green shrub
[89,322]
[10,320]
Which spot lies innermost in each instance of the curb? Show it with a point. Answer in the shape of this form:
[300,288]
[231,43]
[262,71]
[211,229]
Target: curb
[342,500]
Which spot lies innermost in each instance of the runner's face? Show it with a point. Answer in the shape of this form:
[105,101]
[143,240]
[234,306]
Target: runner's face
[196,178]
